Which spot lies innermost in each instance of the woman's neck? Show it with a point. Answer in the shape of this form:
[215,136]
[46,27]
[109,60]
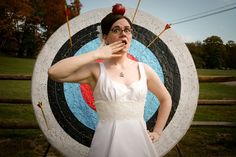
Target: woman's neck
[120,61]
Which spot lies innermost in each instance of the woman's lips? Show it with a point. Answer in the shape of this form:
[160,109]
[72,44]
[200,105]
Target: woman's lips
[124,41]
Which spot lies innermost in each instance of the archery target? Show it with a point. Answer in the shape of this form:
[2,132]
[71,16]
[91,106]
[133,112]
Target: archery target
[69,111]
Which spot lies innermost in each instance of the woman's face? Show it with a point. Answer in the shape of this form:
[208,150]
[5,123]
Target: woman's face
[120,31]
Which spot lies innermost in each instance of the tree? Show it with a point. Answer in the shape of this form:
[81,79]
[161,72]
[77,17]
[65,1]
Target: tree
[231,54]
[215,52]
[196,51]
[12,15]
[26,24]
[54,14]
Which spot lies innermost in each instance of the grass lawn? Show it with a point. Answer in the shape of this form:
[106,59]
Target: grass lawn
[212,142]
[17,113]
[12,65]
[206,142]
[24,143]
[215,113]
[15,89]
[214,72]
[217,91]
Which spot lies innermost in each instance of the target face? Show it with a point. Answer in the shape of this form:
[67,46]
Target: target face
[69,109]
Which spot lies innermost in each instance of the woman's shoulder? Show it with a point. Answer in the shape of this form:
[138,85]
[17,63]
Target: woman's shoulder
[146,66]
[94,66]
[148,69]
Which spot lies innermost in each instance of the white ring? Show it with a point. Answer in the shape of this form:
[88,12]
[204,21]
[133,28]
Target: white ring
[180,122]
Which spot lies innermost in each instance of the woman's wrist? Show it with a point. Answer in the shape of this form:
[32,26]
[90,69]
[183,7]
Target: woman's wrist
[157,132]
[95,54]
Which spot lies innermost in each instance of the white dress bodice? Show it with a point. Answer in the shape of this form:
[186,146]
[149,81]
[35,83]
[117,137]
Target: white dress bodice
[121,130]
[114,100]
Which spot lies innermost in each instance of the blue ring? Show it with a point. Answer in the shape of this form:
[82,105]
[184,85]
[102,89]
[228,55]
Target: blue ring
[74,97]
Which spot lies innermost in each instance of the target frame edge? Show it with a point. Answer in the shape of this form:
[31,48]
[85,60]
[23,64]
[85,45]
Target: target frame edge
[174,43]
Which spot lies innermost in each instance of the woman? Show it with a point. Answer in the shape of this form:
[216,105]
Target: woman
[119,87]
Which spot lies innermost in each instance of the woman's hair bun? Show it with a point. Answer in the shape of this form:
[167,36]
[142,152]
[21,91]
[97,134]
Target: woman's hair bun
[118,9]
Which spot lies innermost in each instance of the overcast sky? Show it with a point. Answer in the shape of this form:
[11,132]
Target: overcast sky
[222,25]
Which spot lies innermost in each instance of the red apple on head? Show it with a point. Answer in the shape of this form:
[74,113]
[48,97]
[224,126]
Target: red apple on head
[118,9]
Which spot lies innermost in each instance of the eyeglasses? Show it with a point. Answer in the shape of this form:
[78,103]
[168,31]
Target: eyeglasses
[118,30]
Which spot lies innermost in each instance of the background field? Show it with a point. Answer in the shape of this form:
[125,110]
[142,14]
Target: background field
[204,141]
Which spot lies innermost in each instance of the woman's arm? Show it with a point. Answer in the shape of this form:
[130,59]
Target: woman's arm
[73,69]
[159,90]
[80,68]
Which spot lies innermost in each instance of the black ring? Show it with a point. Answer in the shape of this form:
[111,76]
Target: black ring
[66,119]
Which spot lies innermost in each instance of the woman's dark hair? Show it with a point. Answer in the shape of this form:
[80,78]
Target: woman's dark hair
[108,21]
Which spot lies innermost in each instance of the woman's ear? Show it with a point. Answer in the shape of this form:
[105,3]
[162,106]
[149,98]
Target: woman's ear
[105,39]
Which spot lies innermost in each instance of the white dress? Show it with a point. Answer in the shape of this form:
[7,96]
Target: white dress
[121,130]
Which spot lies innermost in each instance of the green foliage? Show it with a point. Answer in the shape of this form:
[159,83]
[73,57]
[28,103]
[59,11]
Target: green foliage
[213,54]
[28,45]
[22,22]
[197,54]
[13,15]
[231,54]
[199,62]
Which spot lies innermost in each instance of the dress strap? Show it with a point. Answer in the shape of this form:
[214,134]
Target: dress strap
[142,71]
[102,67]
[100,77]
[102,70]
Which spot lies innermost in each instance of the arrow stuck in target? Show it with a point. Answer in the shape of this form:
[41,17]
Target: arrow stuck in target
[40,105]
[157,37]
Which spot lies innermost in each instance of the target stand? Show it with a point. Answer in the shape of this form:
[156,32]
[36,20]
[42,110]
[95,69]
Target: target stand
[67,115]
